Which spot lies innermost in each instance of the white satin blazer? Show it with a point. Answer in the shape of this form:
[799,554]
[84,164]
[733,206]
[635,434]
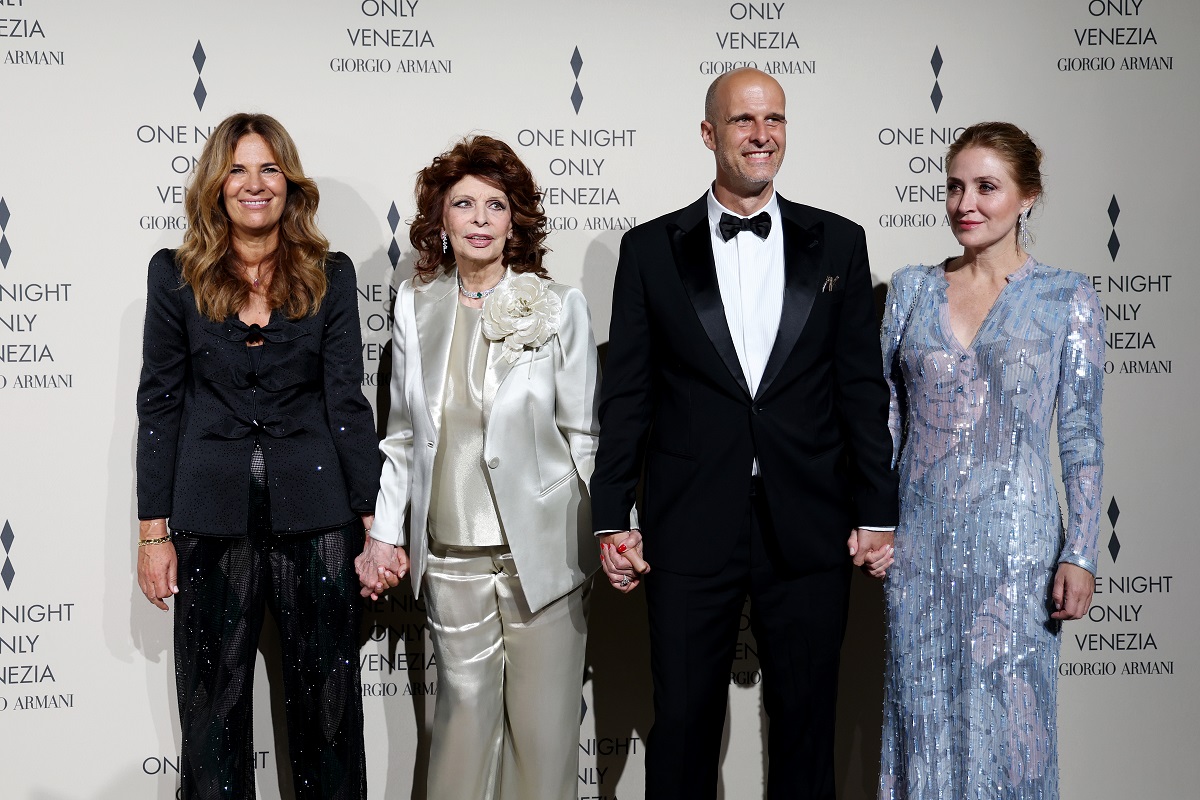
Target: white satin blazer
[540,434]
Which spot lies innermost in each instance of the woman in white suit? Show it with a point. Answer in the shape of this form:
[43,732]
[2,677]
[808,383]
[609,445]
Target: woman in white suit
[490,444]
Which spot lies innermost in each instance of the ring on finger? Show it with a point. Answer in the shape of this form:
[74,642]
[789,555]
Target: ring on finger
[625,581]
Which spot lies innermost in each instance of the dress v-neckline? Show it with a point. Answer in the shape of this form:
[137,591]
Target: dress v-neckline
[944,316]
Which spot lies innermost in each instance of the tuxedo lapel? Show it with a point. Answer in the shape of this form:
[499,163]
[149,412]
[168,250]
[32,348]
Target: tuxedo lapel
[692,250]
[801,259]
[434,308]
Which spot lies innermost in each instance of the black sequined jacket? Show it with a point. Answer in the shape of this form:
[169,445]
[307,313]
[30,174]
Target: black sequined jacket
[202,405]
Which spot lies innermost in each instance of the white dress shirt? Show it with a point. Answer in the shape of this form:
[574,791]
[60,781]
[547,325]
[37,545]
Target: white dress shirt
[750,277]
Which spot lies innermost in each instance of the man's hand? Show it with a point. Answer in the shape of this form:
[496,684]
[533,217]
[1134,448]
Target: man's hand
[873,551]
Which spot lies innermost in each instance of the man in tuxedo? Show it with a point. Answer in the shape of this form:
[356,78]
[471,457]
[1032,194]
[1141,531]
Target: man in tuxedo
[744,379]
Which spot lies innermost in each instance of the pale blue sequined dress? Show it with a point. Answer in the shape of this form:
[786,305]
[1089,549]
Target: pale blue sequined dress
[972,652]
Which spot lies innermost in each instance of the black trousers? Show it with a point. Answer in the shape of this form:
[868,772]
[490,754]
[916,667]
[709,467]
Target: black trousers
[798,622]
[308,582]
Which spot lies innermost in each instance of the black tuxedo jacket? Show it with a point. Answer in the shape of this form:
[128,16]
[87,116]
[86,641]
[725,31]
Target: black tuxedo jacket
[201,405]
[675,402]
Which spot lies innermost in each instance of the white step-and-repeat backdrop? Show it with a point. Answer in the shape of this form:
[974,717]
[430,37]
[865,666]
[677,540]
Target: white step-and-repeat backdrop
[104,107]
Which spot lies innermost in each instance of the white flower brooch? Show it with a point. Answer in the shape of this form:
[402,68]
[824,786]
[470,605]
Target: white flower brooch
[521,313]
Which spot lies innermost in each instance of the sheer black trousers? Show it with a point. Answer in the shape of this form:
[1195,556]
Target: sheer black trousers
[308,582]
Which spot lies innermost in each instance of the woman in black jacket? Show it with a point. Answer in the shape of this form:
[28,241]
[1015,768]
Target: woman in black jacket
[256,443]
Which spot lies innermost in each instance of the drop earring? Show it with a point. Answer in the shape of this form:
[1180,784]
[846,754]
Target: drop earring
[445,242]
[1023,229]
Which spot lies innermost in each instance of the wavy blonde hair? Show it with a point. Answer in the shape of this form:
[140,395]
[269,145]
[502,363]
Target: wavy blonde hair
[206,257]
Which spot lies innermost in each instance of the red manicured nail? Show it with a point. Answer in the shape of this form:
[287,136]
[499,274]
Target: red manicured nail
[622,549]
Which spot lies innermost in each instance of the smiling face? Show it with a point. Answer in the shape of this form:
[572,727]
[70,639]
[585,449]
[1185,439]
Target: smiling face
[747,132]
[255,190]
[478,219]
[983,200]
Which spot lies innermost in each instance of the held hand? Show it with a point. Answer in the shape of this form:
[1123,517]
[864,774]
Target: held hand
[1072,593]
[157,564]
[621,558]
[380,566]
[873,551]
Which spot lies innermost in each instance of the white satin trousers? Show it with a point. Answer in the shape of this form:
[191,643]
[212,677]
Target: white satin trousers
[506,718]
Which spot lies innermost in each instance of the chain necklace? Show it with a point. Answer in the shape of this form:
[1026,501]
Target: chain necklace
[479,295]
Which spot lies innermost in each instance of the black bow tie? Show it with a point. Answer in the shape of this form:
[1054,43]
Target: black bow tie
[730,226]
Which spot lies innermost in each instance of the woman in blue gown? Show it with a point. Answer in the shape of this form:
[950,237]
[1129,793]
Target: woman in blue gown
[982,350]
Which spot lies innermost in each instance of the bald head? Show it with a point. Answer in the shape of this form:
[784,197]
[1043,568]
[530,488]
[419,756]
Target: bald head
[745,127]
[729,82]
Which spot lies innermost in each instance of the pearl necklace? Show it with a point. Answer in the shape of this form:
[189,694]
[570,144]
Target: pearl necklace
[479,295]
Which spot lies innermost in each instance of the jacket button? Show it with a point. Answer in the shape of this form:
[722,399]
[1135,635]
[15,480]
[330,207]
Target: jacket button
[495,462]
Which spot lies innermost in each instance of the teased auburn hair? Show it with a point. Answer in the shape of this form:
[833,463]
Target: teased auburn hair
[206,257]
[495,163]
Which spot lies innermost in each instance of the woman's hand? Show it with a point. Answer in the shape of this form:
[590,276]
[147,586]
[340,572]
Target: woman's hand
[157,564]
[621,559]
[380,566]
[877,562]
[1072,594]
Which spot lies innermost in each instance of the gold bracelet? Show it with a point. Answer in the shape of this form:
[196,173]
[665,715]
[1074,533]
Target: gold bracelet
[159,540]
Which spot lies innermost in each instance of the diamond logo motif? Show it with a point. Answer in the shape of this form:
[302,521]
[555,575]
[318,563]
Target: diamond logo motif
[1114,244]
[198,57]
[200,94]
[6,539]
[936,97]
[5,251]
[394,253]
[576,62]
[1114,546]
[393,217]
[4,215]
[577,98]
[1114,210]
[1113,512]
[936,61]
